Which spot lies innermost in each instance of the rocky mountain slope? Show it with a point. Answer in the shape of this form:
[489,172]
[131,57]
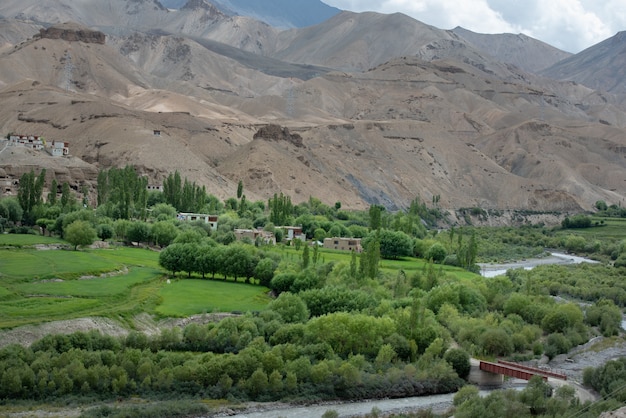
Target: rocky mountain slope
[601,67]
[527,53]
[386,108]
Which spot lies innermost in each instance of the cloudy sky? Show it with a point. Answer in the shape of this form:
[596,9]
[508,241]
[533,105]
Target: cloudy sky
[571,25]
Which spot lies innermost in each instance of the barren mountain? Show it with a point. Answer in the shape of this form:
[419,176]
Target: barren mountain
[363,108]
[600,67]
[527,53]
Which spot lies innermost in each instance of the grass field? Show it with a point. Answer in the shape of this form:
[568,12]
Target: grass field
[408,264]
[15,240]
[612,228]
[184,297]
[45,285]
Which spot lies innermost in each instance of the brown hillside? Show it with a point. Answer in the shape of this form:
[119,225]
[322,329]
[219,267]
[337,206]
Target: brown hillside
[419,113]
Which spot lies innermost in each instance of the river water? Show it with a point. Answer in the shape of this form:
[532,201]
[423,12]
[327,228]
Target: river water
[493,270]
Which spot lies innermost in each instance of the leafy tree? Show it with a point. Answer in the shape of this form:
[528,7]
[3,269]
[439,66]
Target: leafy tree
[437,252]
[370,257]
[536,395]
[124,190]
[190,257]
[375,217]
[52,194]
[138,232]
[576,221]
[459,360]
[239,261]
[282,282]
[105,231]
[67,199]
[290,307]
[163,233]
[30,191]
[281,209]
[239,189]
[79,233]
[330,299]
[189,235]
[306,257]
[171,258]
[393,244]
[211,259]
[264,271]
[496,342]
[163,210]
[10,209]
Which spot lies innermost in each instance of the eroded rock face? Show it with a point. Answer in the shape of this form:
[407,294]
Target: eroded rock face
[277,133]
[73,33]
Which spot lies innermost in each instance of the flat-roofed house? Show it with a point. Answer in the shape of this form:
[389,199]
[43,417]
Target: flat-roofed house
[203,217]
[344,244]
[255,235]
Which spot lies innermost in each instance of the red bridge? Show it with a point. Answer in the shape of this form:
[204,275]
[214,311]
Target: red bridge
[518,371]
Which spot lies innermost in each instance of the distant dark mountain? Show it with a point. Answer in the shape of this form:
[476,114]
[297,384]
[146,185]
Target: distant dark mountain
[600,67]
[527,53]
[277,13]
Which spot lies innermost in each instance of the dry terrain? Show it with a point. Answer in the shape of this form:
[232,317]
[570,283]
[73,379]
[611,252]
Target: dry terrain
[386,108]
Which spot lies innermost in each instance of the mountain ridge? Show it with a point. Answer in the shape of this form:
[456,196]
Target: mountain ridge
[392,110]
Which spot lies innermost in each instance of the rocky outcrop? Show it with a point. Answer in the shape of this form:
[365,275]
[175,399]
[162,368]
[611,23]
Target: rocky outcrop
[73,33]
[277,133]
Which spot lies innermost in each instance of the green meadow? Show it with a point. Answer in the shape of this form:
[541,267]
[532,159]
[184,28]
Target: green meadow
[44,285]
[120,282]
[28,239]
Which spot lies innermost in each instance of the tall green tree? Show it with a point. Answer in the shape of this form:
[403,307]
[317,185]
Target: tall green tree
[239,189]
[30,191]
[306,257]
[52,194]
[375,215]
[79,233]
[281,209]
[67,200]
[124,191]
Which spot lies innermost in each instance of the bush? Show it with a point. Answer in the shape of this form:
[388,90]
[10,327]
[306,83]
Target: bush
[460,361]
[497,342]
[437,252]
[556,344]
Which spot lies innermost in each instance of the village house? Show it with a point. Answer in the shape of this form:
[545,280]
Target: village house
[292,232]
[344,244]
[203,217]
[255,235]
[59,148]
[29,141]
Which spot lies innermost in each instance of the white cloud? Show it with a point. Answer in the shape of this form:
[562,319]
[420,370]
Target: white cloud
[571,25]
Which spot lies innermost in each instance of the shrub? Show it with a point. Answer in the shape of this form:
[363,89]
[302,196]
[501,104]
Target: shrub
[460,361]
[437,252]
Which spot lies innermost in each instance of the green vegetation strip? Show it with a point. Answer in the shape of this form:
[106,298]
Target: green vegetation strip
[38,286]
[98,287]
[34,264]
[17,240]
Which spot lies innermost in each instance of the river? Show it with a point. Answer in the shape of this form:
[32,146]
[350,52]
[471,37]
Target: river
[493,270]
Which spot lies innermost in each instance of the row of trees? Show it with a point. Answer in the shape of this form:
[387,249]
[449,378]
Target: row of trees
[273,355]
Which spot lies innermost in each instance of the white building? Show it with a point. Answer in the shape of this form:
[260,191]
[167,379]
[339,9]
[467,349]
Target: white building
[59,148]
[203,217]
